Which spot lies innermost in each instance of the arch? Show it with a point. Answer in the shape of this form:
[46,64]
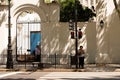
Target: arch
[34,8]
[18,10]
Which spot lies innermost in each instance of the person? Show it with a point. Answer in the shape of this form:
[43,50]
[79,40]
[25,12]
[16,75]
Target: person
[81,56]
[37,53]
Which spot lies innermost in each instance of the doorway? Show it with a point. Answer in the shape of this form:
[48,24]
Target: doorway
[28,35]
[35,39]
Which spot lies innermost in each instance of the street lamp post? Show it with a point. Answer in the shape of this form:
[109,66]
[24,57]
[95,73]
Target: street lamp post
[9,63]
[73,27]
[76,39]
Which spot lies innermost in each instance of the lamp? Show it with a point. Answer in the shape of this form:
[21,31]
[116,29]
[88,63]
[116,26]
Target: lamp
[101,23]
[9,63]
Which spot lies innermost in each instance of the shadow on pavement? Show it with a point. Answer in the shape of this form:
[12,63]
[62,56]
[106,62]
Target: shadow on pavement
[92,78]
[18,79]
[87,79]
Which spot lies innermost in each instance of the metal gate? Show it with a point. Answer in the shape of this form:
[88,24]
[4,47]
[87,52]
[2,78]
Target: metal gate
[26,34]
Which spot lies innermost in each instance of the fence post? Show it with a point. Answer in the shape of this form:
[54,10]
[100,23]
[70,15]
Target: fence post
[25,60]
[55,60]
[70,59]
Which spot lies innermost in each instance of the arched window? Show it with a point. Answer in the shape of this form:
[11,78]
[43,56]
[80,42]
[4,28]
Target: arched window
[28,16]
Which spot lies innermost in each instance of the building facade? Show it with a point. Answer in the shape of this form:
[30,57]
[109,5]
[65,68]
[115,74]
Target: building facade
[88,3]
[28,18]
[108,44]
[40,18]
[107,36]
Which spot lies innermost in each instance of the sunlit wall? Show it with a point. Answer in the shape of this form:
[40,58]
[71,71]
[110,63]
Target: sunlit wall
[108,40]
[55,35]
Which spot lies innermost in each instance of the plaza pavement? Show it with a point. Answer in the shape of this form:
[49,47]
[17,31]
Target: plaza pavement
[81,76]
[60,76]
[91,72]
[88,68]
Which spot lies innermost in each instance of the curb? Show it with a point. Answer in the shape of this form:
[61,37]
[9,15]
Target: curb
[7,70]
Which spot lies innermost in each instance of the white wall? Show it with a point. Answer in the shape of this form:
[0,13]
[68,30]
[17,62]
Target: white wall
[108,37]
[56,39]
[55,35]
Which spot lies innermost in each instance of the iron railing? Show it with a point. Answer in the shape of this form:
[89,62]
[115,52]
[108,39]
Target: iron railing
[52,60]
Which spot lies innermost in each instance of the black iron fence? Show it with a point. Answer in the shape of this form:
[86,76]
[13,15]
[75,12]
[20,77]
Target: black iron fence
[57,60]
[3,58]
[48,60]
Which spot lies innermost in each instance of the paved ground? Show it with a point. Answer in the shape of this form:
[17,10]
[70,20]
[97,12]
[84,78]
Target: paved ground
[88,68]
[60,76]
[91,72]
[81,76]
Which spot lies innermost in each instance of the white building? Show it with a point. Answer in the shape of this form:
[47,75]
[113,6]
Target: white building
[108,36]
[108,39]
[88,3]
[29,17]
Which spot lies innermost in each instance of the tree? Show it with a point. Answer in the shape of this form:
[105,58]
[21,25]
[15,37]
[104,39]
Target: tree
[67,11]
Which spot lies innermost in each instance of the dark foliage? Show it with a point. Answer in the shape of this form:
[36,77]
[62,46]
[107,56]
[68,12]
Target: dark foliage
[67,12]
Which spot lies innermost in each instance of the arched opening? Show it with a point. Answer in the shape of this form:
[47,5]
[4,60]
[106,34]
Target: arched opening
[28,35]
